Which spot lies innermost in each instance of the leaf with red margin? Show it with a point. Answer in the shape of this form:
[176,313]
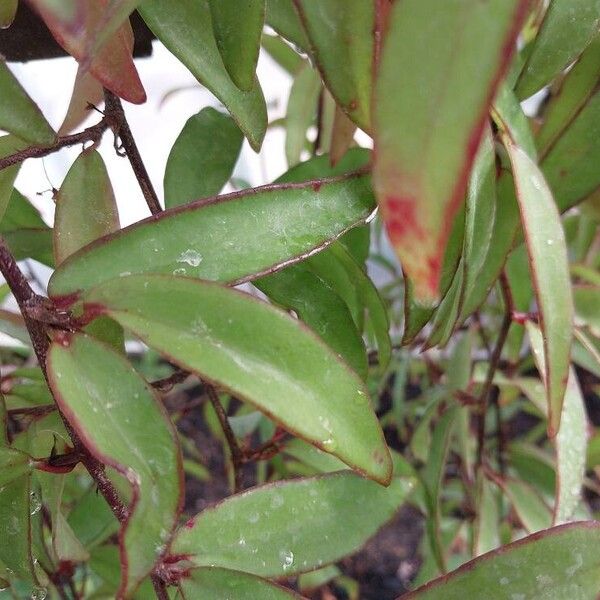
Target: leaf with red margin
[124,425]
[439,72]
[113,65]
[549,564]
[213,583]
[290,527]
[258,353]
[548,263]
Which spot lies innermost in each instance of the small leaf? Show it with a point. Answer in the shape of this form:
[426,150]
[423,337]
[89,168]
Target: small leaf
[19,114]
[292,526]
[282,53]
[87,90]
[528,568]
[122,423]
[301,112]
[213,583]
[567,29]
[486,534]
[283,18]
[571,440]
[113,65]
[340,34]
[203,157]
[185,28]
[566,102]
[8,10]
[237,27]
[223,335]
[549,267]
[436,80]
[251,233]
[9,144]
[86,208]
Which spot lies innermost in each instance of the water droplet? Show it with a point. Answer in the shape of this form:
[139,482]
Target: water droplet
[329,444]
[287,559]
[549,242]
[180,271]
[190,257]
[124,273]
[242,541]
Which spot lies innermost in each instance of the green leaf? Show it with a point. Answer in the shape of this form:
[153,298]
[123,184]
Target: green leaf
[71,23]
[213,583]
[86,208]
[301,112]
[321,308]
[237,27]
[230,239]
[203,157]
[20,214]
[550,564]
[568,27]
[31,243]
[565,103]
[8,10]
[15,527]
[570,165]
[439,71]
[340,34]
[223,335]
[9,144]
[19,114]
[282,54]
[283,18]
[549,267]
[292,526]
[122,423]
[13,465]
[486,534]
[571,440]
[185,28]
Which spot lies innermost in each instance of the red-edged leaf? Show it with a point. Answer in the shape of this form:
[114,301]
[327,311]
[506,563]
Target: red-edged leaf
[439,71]
[113,65]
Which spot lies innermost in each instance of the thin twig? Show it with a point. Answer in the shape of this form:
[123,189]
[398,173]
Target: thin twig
[237,455]
[166,384]
[160,588]
[115,108]
[484,397]
[91,134]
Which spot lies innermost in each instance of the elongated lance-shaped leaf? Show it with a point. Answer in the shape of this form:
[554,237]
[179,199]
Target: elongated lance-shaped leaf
[185,28]
[527,569]
[291,526]
[549,267]
[202,158]
[565,103]
[486,528]
[213,583]
[113,65]
[238,27]
[571,440]
[439,71]
[122,423]
[19,114]
[340,33]
[86,90]
[321,308]
[86,208]
[225,335]
[570,165]
[228,238]
[568,27]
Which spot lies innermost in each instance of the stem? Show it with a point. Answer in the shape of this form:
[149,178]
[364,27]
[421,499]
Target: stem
[91,134]
[115,108]
[494,362]
[237,456]
[160,588]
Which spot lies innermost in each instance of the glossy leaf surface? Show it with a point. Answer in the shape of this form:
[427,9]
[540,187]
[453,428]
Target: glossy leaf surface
[340,34]
[86,208]
[203,157]
[113,65]
[229,238]
[238,27]
[527,569]
[549,267]
[568,27]
[291,526]
[185,28]
[19,114]
[225,335]
[122,423]
[439,71]
[213,583]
